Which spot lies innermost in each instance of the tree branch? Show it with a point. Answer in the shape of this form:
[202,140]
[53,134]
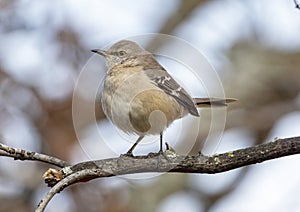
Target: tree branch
[192,163]
[297,5]
[65,182]
[20,154]
[170,162]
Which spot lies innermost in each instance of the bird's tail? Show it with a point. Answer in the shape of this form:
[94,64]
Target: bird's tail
[212,102]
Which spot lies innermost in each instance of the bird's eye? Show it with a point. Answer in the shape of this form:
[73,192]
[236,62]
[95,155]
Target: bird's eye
[122,53]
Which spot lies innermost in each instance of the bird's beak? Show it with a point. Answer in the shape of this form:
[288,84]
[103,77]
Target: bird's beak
[101,52]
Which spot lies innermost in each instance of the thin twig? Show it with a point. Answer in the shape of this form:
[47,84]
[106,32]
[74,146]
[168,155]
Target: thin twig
[2,153]
[73,178]
[297,5]
[20,154]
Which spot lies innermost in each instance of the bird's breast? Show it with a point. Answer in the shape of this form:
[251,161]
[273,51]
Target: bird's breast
[135,105]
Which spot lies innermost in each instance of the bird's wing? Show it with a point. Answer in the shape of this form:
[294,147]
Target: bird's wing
[162,79]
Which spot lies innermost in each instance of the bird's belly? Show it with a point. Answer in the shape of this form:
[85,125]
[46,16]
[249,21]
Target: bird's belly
[142,111]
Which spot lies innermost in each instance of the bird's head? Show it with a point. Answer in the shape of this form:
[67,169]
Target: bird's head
[121,52]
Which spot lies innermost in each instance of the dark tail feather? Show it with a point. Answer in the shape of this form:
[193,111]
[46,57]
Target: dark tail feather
[212,102]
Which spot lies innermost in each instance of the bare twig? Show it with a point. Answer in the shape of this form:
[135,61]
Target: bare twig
[2,153]
[20,154]
[297,5]
[70,179]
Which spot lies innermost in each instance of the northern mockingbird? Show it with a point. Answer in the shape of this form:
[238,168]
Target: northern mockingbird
[140,96]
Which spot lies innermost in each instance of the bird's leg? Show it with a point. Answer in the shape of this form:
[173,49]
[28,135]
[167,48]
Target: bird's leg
[161,152]
[129,152]
[161,143]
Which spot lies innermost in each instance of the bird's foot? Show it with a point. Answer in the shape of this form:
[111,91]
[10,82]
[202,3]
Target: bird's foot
[127,154]
[170,152]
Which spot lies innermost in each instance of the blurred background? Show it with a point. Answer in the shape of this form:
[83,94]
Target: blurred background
[253,45]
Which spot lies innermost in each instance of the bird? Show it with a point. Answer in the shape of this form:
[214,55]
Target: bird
[140,97]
